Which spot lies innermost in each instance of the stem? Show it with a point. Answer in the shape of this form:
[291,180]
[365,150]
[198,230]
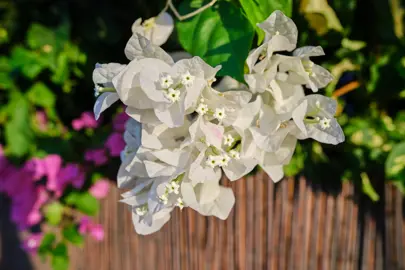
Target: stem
[164,9]
[191,14]
[345,89]
[106,89]
[310,121]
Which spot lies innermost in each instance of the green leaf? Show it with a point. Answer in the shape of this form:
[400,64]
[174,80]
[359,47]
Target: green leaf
[395,163]
[375,71]
[221,35]
[41,95]
[71,234]
[60,259]
[54,213]
[30,63]
[84,202]
[46,245]
[268,6]
[6,80]
[74,54]
[39,36]
[255,15]
[368,188]
[259,10]
[61,73]
[18,133]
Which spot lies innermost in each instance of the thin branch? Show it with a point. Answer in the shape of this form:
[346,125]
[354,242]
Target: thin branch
[346,89]
[191,14]
[165,8]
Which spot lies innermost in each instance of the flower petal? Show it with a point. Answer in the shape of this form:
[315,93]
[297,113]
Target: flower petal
[237,169]
[139,47]
[104,73]
[308,51]
[143,228]
[173,116]
[147,116]
[163,29]
[279,24]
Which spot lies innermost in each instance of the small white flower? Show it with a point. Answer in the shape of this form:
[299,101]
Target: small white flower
[219,114]
[97,90]
[224,160]
[234,154]
[173,187]
[166,81]
[212,161]
[187,79]
[173,95]
[318,104]
[202,109]
[141,211]
[164,198]
[180,203]
[228,140]
[325,123]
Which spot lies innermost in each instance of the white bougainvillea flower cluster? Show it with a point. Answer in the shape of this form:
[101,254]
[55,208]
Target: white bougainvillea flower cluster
[184,132]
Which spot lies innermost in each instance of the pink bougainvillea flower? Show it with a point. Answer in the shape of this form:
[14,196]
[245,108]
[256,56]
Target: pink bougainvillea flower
[14,181]
[32,243]
[53,164]
[7,184]
[42,120]
[70,174]
[95,230]
[86,120]
[100,189]
[21,207]
[115,144]
[119,122]
[77,124]
[35,215]
[37,167]
[89,120]
[84,225]
[97,156]
[42,198]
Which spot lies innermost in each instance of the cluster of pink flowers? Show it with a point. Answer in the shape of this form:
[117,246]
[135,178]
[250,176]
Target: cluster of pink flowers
[113,145]
[86,120]
[88,227]
[28,192]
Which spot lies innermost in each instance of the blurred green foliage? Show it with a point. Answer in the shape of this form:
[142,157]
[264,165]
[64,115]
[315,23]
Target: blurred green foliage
[48,50]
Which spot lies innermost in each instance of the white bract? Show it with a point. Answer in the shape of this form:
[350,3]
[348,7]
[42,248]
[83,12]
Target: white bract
[185,129]
[157,91]
[315,119]
[156,29]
